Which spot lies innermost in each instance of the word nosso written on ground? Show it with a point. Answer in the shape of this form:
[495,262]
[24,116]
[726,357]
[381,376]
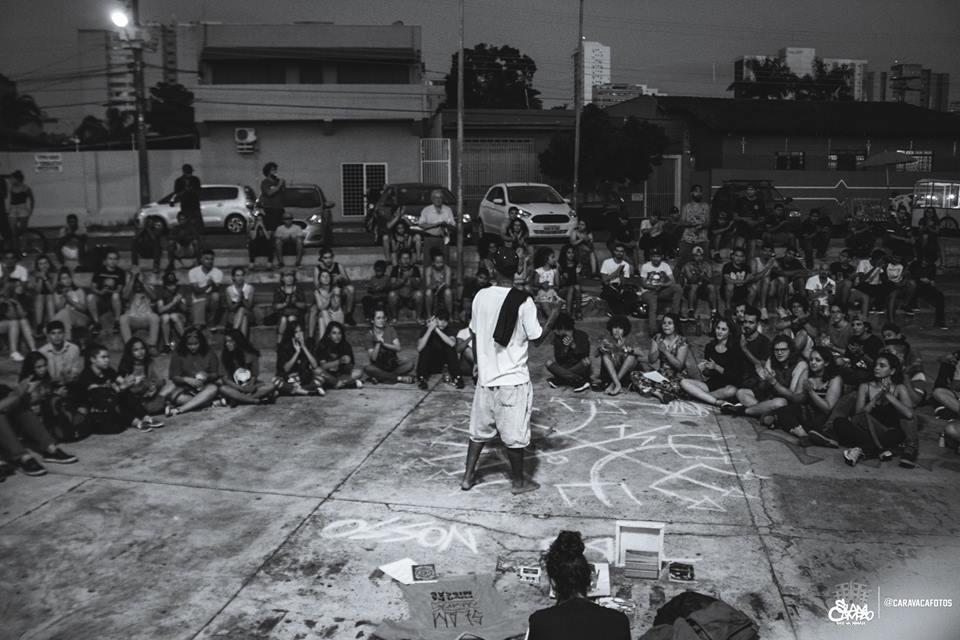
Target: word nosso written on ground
[619,442]
[430,534]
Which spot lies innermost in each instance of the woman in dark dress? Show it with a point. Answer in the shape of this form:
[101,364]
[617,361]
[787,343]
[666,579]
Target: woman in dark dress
[721,367]
[574,617]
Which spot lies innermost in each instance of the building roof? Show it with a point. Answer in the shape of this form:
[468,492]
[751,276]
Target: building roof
[803,118]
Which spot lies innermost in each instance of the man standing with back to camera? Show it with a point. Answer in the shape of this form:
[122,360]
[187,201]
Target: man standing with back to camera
[504,322]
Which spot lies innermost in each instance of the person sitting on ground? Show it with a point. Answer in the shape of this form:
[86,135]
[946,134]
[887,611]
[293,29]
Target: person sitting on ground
[581,239]
[259,243]
[289,303]
[438,285]
[810,418]
[571,366]
[72,241]
[239,301]
[799,324]
[43,282]
[467,352]
[195,373]
[545,280]
[405,287]
[842,271]
[739,285]
[298,371]
[149,243]
[183,242]
[574,616]
[668,357]
[821,289]
[326,308]
[385,362]
[241,382]
[140,313]
[721,367]
[40,392]
[172,309]
[340,280]
[696,279]
[658,285]
[614,272]
[618,356]
[436,347]
[883,420]
[765,268]
[898,284]
[924,275]
[868,287]
[793,272]
[946,387]
[569,270]
[755,349]
[18,424]
[781,382]
[856,363]
[105,397]
[915,379]
[469,291]
[205,280]
[109,287]
[288,237]
[378,290]
[64,361]
[337,368]
[138,369]
[835,334]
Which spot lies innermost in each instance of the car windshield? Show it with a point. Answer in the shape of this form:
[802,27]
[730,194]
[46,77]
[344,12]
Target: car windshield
[533,193]
[167,199]
[421,195]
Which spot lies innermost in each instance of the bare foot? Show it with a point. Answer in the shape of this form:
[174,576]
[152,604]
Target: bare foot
[614,390]
[526,487]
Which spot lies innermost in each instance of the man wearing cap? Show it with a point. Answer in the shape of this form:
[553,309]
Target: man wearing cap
[503,322]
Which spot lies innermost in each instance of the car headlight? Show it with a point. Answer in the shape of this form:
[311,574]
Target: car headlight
[411,219]
[523,213]
[465,218]
[315,219]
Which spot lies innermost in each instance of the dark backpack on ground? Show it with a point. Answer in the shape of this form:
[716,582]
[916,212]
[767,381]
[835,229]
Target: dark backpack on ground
[695,616]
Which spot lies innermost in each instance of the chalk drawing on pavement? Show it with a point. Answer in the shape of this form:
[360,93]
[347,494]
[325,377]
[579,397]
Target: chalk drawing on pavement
[430,534]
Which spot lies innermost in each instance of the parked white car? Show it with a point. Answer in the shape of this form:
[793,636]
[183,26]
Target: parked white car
[544,212]
[230,207]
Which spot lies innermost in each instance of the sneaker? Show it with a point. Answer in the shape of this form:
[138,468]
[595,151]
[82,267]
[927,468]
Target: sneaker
[141,425]
[358,384]
[153,422]
[553,383]
[908,455]
[598,386]
[58,456]
[16,356]
[422,383]
[818,439]
[321,391]
[731,409]
[800,433]
[886,455]
[458,383]
[852,456]
[406,379]
[583,387]
[32,468]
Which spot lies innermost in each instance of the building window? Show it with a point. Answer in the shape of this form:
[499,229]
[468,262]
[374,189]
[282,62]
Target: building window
[845,160]
[924,160]
[356,180]
[789,160]
[372,73]
[248,72]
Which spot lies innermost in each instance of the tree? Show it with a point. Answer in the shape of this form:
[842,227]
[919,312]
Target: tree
[608,153]
[773,80]
[825,84]
[171,109]
[493,78]
[92,131]
[18,111]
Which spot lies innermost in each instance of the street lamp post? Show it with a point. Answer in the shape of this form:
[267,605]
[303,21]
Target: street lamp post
[122,20]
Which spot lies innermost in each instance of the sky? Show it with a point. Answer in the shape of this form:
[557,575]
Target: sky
[681,47]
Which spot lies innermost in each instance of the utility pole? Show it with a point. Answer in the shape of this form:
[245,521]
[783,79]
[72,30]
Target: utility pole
[578,107]
[460,260]
[136,44]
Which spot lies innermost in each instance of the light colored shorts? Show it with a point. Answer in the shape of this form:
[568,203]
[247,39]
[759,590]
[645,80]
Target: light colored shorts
[503,411]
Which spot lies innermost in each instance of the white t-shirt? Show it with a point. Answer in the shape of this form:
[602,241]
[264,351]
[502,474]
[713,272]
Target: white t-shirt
[546,276]
[430,216]
[651,275]
[610,265]
[502,366]
[864,266]
[824,289]
[284,232]
[196,276]
[233,294]
[19,273]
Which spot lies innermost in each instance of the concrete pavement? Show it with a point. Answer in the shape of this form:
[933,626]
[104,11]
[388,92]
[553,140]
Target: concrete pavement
[269,522]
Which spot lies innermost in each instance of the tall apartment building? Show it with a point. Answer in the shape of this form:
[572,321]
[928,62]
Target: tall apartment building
[596,68]
[858,69]
[798,59]
[909,83]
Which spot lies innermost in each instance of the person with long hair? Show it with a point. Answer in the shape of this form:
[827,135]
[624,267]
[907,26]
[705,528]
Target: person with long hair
[289,302]
[569,269]
[574,617]
[883,419]
[138,369]
[721,367]
[545,279]
[668,357]
[334,354]
[516,238]
[782,377]
[241,372]
[385,362]
[139,310]
[44,283]
[105,396]
[618,356]
[297,367]
[195,373]
[581,239]
[239,301]
[401,239]
[808,419]
[172,309]
[327,304]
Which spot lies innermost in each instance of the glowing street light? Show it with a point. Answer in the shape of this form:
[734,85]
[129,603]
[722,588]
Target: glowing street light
[119,18]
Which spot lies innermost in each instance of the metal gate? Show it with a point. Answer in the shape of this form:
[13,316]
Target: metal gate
[663,186]
[488,161]
[435,161]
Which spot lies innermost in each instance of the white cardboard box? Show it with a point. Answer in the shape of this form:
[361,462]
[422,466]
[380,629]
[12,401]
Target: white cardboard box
[638,535]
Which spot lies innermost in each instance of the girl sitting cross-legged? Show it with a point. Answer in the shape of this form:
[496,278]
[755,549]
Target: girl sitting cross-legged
[194,372]
[241,371]
[105,396]
[297,367]
[147,385]
[808,419]
[721,368]
[335,356]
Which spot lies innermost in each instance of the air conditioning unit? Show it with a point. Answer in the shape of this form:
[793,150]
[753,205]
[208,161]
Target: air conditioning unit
[246,139]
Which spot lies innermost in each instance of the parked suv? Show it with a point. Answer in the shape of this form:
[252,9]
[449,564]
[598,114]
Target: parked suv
[223,206]
[311,210]
[727,196]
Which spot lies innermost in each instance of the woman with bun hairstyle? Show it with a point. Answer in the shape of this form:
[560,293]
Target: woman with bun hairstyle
[574,617]
[241,370]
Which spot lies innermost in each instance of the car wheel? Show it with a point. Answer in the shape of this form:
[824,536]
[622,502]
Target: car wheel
[235,224]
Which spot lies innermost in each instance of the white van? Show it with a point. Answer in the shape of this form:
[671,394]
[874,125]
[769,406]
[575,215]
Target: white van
[942,195]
